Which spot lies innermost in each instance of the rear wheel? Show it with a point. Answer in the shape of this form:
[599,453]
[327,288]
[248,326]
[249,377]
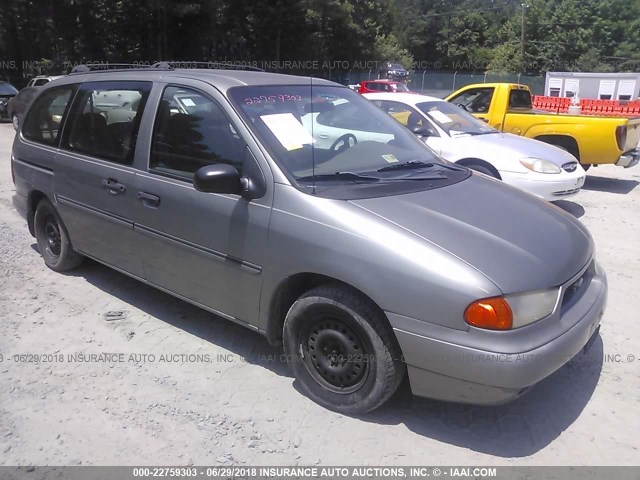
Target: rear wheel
[342,350]
[53,239]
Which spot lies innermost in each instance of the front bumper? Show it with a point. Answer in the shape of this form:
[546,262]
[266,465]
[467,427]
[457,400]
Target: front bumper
[629,159]
[550,187]
[487,368]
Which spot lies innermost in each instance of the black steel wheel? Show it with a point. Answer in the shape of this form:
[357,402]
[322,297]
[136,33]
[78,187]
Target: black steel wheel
[342,350]
[53,240]
[336,356]
[52,236]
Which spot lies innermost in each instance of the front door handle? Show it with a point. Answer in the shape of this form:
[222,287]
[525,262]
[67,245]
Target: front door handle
[112,186]
[149,200]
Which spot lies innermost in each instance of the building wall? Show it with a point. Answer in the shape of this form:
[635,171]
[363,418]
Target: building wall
[616,86]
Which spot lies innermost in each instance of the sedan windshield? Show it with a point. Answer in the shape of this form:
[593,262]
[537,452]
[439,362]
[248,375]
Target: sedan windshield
[454,120]
[331,134]
[7,89]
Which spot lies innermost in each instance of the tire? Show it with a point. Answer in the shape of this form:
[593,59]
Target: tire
[53,239]
[15,121]
[342,350]
[573,152]
[482,169]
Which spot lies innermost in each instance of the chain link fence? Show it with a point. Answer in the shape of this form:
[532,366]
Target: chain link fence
[439,84]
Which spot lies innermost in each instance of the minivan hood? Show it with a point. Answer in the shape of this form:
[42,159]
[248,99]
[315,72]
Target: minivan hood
[519,242]
[513,146]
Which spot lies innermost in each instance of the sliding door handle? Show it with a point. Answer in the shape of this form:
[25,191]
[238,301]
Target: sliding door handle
[149,200]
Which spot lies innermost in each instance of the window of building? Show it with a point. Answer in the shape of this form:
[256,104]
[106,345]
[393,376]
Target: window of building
[626,89]
[606,89]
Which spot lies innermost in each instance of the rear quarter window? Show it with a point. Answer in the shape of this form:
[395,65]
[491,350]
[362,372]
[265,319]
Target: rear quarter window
[45,118]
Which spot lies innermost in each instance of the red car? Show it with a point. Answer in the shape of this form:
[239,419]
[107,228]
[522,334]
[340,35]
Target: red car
[373,86]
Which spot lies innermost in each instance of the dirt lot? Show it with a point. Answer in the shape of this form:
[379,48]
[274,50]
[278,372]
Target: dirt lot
[202,390]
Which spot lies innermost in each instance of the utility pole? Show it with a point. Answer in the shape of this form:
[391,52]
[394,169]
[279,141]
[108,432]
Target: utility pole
[523,7]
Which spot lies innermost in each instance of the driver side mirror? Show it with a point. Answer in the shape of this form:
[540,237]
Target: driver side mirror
[423,131]
[217,178]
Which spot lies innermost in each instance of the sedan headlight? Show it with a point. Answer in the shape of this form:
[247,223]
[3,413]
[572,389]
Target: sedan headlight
[512,311]
[539,165]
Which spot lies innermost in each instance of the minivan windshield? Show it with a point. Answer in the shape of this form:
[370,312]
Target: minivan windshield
[325,134]
[453,119]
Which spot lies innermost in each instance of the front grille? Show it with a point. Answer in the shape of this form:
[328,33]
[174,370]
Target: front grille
[570,167]
[573,292]
[566,192]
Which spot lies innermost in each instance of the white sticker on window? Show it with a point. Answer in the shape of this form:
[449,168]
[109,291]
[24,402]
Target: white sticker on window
[440,117]
[187,102]
[288,130]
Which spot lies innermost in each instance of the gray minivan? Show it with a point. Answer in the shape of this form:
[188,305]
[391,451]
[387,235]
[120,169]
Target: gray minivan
[295,207]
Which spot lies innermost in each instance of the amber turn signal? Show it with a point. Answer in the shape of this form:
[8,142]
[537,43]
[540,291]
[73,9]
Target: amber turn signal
[491,313]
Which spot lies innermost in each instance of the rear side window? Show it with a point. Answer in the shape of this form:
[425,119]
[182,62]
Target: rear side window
[192,131]
[520,99]
[105,119]
[44,119]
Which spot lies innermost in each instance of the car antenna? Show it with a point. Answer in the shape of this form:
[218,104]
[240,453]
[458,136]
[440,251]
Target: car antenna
[313,150]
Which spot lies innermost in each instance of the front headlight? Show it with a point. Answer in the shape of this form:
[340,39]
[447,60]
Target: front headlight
[532,306]
[512,311]
[539,165]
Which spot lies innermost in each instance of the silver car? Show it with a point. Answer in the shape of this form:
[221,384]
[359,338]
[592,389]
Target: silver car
[295,207]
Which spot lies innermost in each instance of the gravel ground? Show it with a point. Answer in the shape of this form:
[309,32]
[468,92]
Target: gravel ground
[188,387]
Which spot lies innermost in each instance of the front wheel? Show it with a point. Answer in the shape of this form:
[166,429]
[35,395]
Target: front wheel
[342,350]
[482,169]
[53,239]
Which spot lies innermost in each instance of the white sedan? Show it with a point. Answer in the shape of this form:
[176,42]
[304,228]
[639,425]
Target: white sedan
[541,169]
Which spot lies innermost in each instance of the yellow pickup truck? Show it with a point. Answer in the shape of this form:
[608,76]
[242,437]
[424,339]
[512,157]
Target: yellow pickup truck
[592,140]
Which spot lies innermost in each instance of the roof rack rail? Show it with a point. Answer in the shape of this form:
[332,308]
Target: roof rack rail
[101,67]
[211,64]
[171,65]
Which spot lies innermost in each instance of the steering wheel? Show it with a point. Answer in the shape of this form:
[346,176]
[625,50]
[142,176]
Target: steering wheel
[455,126]
[343,143]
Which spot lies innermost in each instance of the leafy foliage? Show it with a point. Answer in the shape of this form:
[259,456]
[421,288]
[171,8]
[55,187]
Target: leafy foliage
[457,35]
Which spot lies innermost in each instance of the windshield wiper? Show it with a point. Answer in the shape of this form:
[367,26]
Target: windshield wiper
[412,164]
[339,175]
[482,133]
